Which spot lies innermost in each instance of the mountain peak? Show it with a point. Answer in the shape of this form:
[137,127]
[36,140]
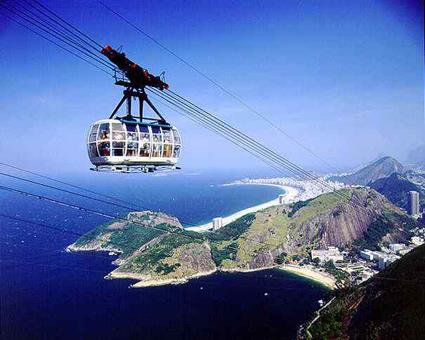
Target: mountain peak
[378,169]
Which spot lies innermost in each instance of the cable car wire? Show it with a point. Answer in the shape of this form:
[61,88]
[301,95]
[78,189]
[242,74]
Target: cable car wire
[57,44]
[62,31]
[67,23]
[219,131]
[139,208]
[94,45]
[202,120]
[66,191]
[68,184]
[289,166]
[191,235]
[249,139]
[41,224]
[298,171]
[56,35]
[87,210]
[302,174]
[245,139]
[187,234]
[218,85]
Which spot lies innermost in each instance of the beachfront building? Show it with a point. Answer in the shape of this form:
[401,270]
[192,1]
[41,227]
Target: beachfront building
[324,255]
[282,199]
[217,223]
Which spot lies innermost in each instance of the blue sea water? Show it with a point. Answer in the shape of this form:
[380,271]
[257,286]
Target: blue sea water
[47,293]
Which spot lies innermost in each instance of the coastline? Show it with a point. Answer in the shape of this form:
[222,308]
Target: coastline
[290,195]
[310,273]
[322,278]
[143,281]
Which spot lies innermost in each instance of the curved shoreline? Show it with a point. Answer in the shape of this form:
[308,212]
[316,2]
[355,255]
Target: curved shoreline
[323,278]
[290,194]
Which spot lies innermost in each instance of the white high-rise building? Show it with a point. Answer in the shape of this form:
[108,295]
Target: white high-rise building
[413,203]
[217,223]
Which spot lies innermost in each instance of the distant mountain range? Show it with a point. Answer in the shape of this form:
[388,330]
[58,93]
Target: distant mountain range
[349,217]
[417,157]
[381,168]
[390,305]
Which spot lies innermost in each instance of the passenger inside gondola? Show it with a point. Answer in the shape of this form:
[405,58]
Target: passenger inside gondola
[167,143]
[104,131]
[104,149]
[144,141]
[132,140]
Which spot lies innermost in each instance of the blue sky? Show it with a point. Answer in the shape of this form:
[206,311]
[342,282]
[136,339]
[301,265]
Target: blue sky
[345,78]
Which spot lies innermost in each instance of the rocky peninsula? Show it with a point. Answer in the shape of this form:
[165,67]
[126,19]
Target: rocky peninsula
[154,248]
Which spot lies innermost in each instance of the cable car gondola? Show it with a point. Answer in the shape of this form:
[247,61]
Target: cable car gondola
[123,145]
[133,143]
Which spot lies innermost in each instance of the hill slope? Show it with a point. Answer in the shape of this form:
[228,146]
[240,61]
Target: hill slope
[254,241]
[396,188]
[381,168]
[390,305]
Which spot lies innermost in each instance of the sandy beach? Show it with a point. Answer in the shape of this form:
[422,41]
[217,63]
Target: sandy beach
[311,273]
[290,195]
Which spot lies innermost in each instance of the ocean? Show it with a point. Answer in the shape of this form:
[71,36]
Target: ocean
[47,293]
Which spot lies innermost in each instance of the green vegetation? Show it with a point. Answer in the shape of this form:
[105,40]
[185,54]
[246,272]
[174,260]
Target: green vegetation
[281,258]
[226,252]
[152,257]
[297,206]
[91,235]
[330,325]
[131,238]
[223,246]
[232,230]
[321,204]
[266,238]
[164,268]
[340,276]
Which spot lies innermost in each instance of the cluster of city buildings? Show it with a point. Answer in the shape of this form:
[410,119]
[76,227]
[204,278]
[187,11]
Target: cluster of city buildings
[369,262]
[383,259]
[307,188]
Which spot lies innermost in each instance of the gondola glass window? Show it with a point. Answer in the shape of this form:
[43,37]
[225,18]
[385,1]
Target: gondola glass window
[168,142]
[104,142]
[112,142]
[177,143]
[132,140]
[118,139]
[156,141]
[145,141]
[92,141]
